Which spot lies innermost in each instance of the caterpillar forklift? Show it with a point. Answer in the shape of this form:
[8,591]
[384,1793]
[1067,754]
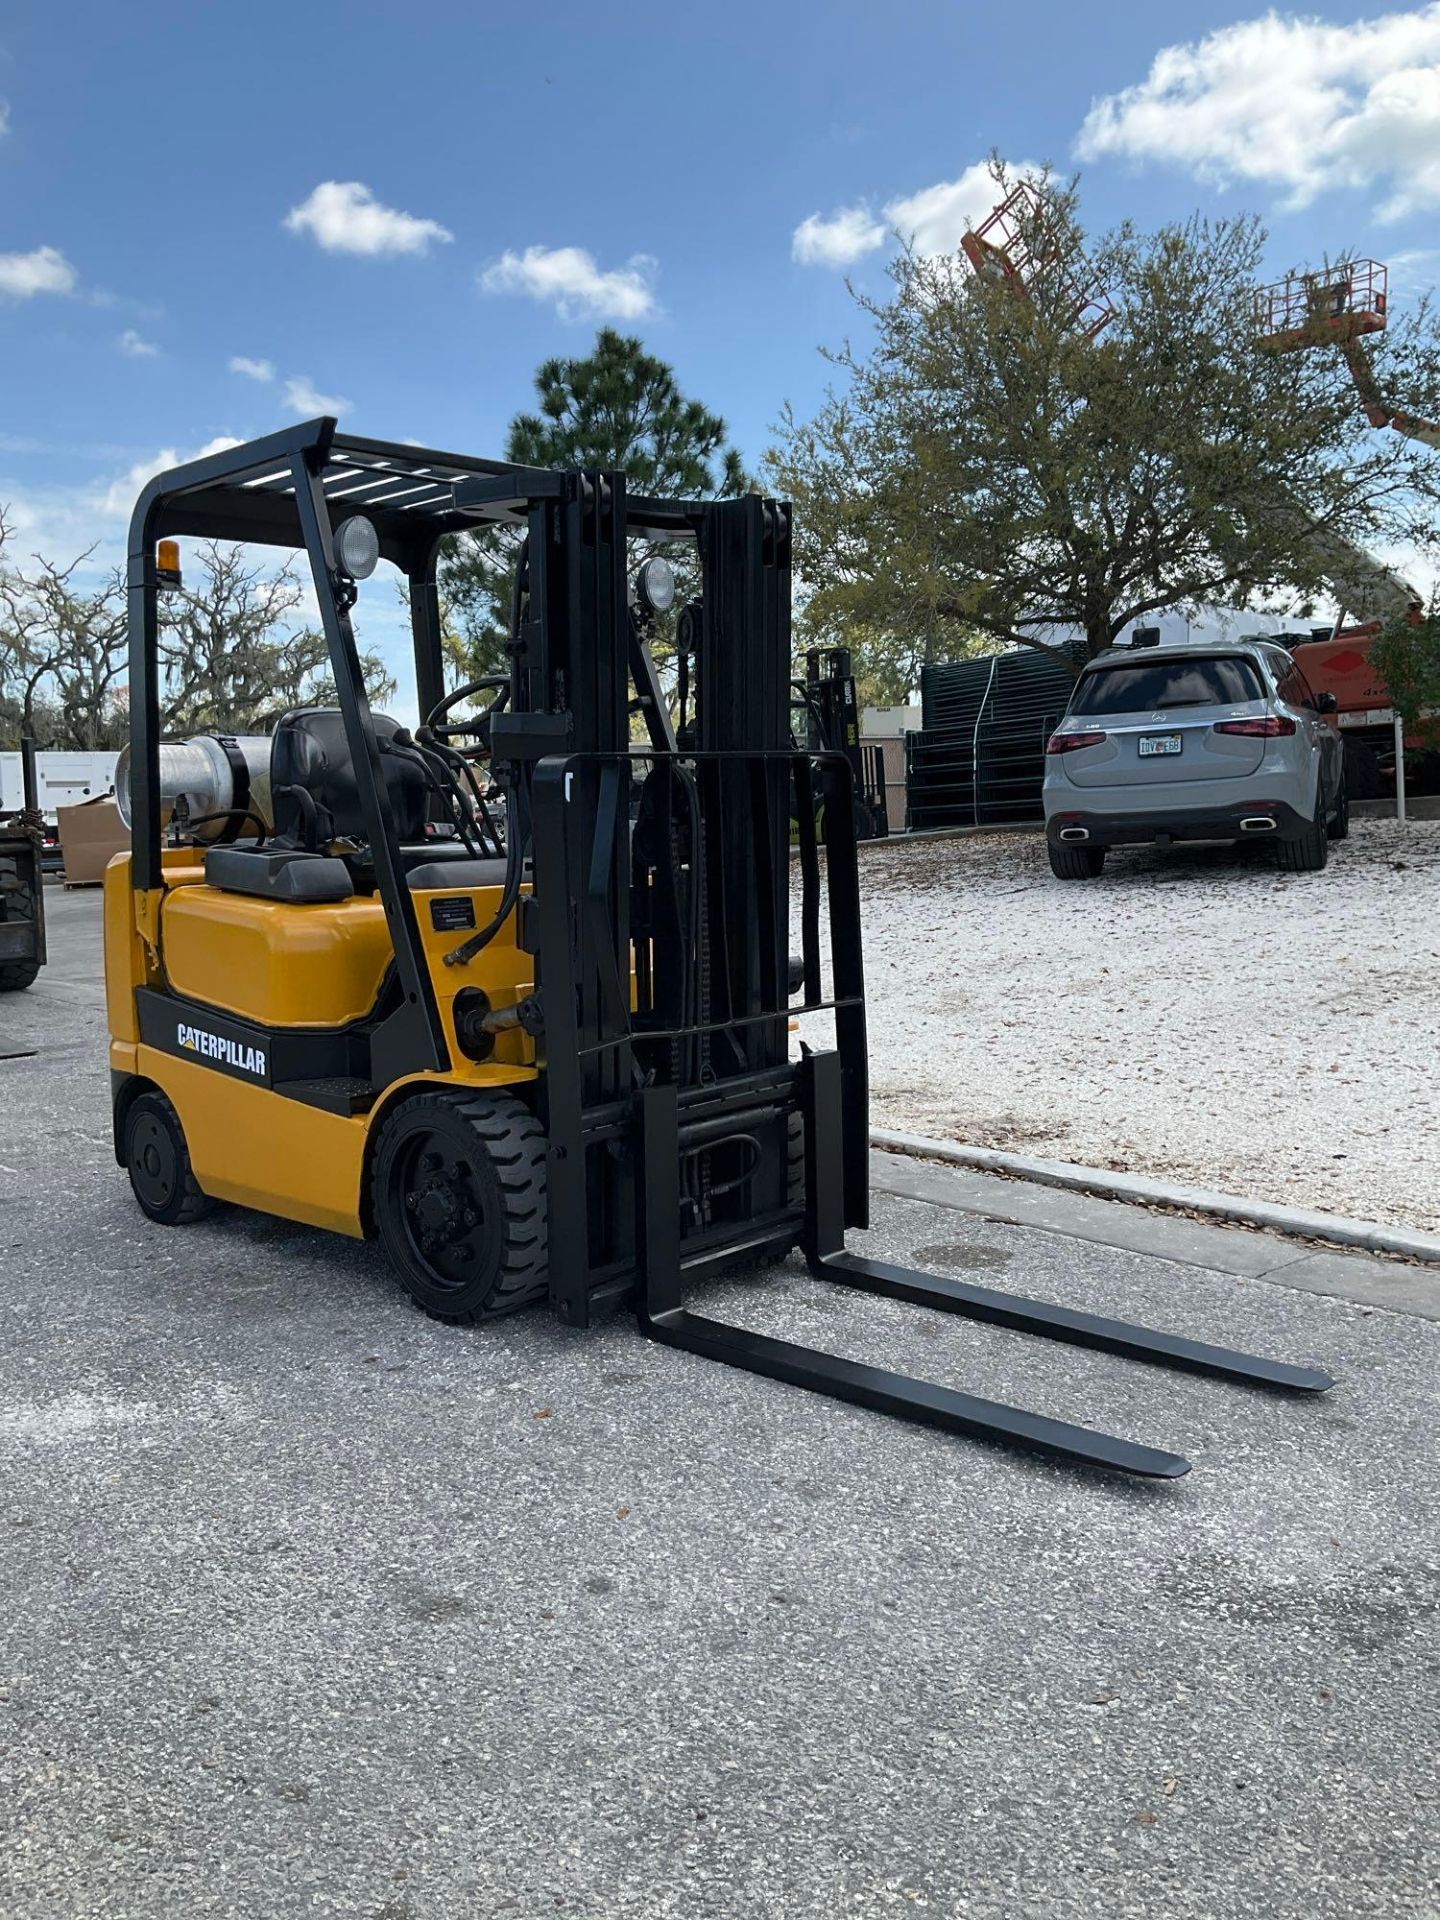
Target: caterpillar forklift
[447,987]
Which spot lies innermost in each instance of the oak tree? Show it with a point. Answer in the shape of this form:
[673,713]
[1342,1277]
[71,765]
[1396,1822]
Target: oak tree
[985,473]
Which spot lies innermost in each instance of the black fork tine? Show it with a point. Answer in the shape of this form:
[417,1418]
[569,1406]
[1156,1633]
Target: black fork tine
[896,1393]
[1066,1323]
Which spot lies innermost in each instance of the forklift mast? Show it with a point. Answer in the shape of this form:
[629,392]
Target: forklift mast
[662,956]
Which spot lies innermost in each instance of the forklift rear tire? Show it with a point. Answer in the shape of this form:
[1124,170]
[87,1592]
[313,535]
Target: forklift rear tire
[1076,863]
[158,1162]
[458,1196]
[16,975]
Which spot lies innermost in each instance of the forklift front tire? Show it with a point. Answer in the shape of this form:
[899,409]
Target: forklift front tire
[158,1162]
[458,1197]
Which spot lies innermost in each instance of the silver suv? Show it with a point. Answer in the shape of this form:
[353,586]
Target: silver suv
[1222,742]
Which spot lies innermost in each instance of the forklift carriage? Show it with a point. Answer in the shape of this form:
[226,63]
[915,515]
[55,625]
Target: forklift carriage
[552,1060]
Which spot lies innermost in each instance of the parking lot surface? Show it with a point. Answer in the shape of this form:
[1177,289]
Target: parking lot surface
[313,1606]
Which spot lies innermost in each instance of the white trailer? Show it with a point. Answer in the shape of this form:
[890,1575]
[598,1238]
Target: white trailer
[61,780]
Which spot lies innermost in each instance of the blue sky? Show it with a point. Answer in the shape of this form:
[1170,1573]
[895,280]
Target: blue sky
[405,209]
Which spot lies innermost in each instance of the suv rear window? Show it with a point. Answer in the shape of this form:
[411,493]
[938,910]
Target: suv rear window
[1222,681]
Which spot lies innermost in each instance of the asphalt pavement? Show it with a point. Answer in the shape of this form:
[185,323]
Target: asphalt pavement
[309,1605]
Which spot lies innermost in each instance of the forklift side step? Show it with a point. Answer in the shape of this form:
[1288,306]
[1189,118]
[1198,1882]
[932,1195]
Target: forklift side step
[1066,1323]
[895,1393]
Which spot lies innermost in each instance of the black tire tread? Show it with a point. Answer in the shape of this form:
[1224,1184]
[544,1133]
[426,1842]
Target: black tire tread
[195,1203]
[19,905]
[1309,852]
[515,1146]
[1076,863]
[1338,825]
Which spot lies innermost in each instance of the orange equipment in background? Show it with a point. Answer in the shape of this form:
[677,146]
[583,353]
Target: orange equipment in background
[1017,243]
[1341,306]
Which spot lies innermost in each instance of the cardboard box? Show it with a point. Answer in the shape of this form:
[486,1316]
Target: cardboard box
[89,835]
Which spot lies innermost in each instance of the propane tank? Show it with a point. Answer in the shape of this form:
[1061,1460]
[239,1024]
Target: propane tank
[207,774]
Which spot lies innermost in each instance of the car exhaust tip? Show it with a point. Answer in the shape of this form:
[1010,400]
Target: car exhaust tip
[1074,833]
[1258,823]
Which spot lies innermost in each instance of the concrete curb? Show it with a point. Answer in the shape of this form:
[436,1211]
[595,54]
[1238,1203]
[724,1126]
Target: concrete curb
[1298,1222]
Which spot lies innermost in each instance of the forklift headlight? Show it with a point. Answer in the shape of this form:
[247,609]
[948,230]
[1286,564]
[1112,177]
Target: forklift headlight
[357,547]
[655,585]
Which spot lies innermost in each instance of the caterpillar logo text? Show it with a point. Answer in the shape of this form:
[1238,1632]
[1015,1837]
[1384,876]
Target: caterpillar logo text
[229,1052]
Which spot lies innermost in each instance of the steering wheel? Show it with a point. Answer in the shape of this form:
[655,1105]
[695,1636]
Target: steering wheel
[477,726]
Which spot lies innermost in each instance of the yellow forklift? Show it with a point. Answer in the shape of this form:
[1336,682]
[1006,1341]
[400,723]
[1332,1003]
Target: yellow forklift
[512,990]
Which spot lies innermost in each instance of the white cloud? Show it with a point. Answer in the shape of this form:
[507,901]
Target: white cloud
[61,522]
[46,270]
[849,233]
[4,116]
[345,217]
[136,346]
[306,402]
[1414,269]
[579,290]
[261,370]
[932,220]
[58,522]
[119,497]
[1295,103]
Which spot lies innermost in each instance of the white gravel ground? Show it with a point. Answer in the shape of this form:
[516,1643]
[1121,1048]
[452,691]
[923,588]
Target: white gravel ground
[1195,1014]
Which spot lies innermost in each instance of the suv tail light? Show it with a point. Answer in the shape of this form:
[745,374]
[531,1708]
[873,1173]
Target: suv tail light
[1068,742]
[1270,728]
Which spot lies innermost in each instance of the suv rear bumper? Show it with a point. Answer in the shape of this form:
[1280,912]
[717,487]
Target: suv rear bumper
[1273,820]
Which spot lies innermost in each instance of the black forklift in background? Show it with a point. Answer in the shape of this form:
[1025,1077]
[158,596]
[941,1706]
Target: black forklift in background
[831,716]
[22,887]
[569,1070]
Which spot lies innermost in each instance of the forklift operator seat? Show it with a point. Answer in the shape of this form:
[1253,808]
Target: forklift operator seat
[316,800]
[312,780]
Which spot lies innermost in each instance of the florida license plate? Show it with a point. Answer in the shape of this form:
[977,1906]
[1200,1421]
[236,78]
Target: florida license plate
[1158,743]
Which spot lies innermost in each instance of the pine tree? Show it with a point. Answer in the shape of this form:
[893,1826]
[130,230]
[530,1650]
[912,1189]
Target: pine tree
[618,408]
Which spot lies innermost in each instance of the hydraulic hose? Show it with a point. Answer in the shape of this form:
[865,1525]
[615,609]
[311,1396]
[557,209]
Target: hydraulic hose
[405,746]
[516,844]
[517,826]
